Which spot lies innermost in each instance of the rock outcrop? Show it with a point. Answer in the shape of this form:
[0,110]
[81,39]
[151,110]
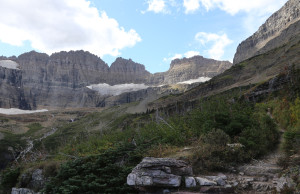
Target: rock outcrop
[60,80]
[11,89]
[127,71]
[193,68]
[159,172]
[276,31]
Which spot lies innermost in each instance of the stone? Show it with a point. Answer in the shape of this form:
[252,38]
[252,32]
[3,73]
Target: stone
[284,182]
[279,28]
[205,182]
[159,172]
[190,182]
[37,180]
[61,79]
[21,191]
[220,179]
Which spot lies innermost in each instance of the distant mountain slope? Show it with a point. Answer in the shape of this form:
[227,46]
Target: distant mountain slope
[258,69]
[61,80]
[277,30]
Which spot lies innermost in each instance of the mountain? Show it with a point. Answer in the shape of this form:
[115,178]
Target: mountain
[279,29]
[194,67]
[61,80]
[277,57]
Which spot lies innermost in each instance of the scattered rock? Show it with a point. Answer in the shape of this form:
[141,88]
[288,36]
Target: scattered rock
[159,172]
[284,182]
[190,182]
[37,180]
[22,191]
[205,182]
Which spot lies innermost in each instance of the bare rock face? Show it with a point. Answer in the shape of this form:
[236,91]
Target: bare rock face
[193,68]
[276,31]
[11,93]
[159,172]
[127,71]
[59,80]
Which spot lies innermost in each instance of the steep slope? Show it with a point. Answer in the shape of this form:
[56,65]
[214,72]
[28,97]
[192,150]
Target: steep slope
[126,71]
[276,31]
[194,67]
[61,80]
[260,68]
[11,88]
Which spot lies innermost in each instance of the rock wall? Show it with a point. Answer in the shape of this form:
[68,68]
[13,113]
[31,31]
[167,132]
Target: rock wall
[194,67]
[60,80]
[274,28]
[11,89]
[127,71]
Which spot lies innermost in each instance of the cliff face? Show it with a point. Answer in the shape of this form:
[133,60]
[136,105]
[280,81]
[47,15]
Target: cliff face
[127,71]
[60,80]
[194,67]
[273,33]
[11,89]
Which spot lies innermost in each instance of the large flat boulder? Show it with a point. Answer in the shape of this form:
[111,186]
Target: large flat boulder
[159,172]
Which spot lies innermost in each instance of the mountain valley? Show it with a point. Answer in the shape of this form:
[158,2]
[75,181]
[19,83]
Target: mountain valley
[203,126]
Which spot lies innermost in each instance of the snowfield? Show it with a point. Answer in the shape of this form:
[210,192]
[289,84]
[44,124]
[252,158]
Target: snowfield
[15,111]
[200,79]
[106,89]
[9,64]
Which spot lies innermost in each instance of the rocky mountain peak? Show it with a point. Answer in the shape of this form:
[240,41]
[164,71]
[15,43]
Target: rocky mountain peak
[126,65]
[272,33]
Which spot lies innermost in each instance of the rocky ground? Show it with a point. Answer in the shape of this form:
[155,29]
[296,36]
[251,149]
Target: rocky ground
[258,176]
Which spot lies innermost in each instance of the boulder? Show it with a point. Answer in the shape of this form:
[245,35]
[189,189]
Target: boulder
[190,182]
[37,180]
[22,191]
[205,182]
[220,179]
[159,172]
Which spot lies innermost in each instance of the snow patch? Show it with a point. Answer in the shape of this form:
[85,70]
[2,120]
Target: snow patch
[9,64]
[15,111]
[200,79]
[106,89]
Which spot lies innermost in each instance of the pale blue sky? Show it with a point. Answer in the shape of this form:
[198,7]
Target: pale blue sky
[151,32]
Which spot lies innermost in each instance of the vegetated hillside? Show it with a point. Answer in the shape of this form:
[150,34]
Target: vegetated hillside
[254,70]
[97,151]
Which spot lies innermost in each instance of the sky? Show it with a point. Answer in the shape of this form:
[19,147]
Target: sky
[150,32]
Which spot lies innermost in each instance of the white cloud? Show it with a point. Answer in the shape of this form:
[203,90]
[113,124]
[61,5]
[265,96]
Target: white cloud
[161,6]
[257,11]
[55,25]
[191,5]
[157,6]
[188,54]
[217,43]
[234,6]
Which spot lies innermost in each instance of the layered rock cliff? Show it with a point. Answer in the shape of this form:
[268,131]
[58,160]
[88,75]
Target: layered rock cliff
[126,71]
[276,31]
[194,67]
[60,80]
[11,88]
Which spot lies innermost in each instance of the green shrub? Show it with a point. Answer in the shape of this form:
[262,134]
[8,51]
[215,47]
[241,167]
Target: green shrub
[9,178]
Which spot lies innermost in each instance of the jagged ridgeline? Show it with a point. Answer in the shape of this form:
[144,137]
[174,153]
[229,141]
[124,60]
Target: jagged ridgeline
[233,124]
[61,80]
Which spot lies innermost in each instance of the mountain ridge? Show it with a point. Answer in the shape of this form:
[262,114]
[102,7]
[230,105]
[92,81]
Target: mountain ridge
[61,79]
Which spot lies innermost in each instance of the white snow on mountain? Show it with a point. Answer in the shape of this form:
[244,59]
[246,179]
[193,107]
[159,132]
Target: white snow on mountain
[200,79]
[15,111]
[9,64]
[106,89]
